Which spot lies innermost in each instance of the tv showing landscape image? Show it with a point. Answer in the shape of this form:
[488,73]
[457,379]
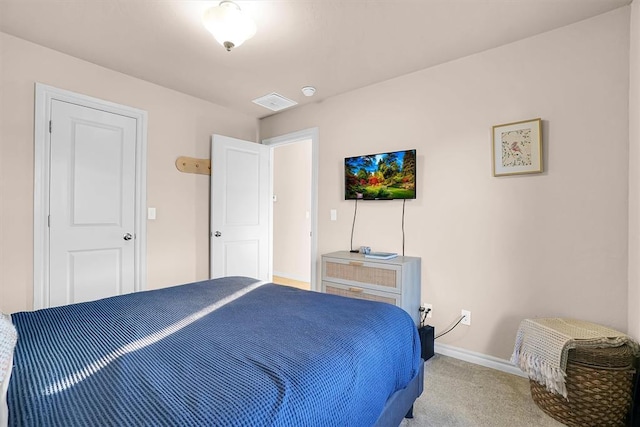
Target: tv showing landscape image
[384,176]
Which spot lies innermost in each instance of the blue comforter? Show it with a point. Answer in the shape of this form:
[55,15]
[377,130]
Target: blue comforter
[225,352]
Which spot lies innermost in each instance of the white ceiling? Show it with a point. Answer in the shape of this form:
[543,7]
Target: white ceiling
[334,45]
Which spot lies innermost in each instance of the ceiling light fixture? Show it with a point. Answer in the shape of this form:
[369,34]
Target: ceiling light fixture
[308,90]
[229,26]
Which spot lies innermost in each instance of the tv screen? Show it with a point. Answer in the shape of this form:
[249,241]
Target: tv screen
[384,176]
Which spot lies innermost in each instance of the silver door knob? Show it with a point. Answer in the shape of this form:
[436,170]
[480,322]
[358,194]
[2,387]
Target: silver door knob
[128,236]
[217,234]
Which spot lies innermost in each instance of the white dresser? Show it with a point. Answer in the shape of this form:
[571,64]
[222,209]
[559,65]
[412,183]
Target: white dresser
[395,281]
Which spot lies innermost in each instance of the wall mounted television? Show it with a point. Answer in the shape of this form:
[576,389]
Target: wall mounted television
[383,176]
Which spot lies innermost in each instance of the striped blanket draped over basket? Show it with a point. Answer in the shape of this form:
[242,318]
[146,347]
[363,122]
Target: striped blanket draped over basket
[224,352]
[542,347]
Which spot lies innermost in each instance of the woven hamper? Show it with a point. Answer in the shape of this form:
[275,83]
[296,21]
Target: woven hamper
[599,388]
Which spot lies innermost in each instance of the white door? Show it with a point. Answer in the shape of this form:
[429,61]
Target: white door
[240,208]
[92,204]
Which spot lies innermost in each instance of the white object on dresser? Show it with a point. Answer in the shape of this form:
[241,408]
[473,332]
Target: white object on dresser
[395,281]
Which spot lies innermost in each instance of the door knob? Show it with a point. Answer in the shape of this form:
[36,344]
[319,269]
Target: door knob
[217,234]
[128,236]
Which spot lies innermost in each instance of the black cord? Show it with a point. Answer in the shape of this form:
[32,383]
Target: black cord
[451,328]
[424,312]
[403,202]
[355,210]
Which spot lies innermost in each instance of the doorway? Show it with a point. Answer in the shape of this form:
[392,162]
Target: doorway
[291,214]
[294,222]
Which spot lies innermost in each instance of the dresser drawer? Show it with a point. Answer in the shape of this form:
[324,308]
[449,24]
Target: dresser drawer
[384,277]
[361,293]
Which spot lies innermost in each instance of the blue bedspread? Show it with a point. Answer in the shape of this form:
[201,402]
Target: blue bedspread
[274,355]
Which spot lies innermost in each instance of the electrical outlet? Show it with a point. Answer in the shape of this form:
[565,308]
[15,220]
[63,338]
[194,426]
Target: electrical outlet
[429,308]
[467,317]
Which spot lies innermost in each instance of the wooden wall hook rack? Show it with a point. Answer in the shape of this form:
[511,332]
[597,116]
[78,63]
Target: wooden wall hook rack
[193,165]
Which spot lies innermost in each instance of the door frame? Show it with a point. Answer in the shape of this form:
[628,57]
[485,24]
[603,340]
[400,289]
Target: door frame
[290,138]
[44,95]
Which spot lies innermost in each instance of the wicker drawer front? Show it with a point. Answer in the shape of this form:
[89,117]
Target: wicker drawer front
[358,272]
[360,293]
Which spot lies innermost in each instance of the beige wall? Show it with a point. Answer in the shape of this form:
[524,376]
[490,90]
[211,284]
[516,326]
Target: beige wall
[291,223]
[178,248]
[508,248]
[634,175]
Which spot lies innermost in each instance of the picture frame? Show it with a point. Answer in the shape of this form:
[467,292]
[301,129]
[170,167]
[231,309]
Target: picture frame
[517,148]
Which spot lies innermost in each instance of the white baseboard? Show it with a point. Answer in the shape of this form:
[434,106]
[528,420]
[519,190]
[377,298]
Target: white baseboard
[478,358]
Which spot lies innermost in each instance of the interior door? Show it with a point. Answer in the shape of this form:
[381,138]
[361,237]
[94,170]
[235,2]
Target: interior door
[240,208]
[92,204]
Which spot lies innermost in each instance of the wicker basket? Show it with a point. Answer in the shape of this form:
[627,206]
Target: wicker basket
[599,388]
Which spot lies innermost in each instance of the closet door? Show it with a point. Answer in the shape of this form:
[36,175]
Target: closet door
[92,204]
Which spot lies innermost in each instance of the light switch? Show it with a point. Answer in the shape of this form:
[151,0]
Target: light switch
[151,213]
[334,215]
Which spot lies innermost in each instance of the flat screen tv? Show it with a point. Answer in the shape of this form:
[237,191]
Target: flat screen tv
[384,176]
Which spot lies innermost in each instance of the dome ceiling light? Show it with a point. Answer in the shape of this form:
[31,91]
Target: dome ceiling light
[229,26]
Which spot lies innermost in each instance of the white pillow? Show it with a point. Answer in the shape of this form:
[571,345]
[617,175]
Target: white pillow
[8,338]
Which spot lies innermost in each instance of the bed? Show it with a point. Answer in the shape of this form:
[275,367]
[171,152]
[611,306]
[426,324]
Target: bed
[222,352]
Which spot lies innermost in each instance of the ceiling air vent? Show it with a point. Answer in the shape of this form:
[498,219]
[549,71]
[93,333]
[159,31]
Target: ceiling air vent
[275,102]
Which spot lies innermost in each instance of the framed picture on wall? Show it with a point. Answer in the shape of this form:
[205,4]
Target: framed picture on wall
[517,148]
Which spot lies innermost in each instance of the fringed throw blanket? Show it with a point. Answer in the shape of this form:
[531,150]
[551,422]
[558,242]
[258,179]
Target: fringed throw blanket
[542,347]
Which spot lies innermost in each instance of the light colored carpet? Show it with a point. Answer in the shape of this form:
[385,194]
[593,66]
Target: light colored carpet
[462,394]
